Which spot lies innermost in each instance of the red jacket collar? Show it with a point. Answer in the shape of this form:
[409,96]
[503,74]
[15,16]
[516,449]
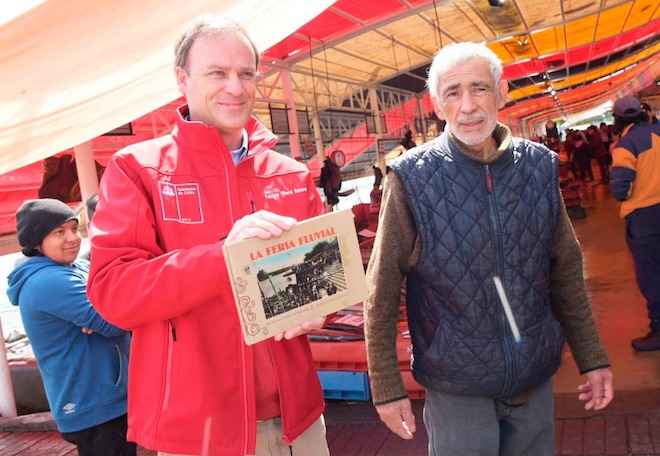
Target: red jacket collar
[202,137]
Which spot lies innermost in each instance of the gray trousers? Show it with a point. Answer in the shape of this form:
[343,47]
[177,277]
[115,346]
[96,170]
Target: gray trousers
[477,426]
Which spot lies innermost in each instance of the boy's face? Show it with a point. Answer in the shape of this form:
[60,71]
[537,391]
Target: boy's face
[63,243]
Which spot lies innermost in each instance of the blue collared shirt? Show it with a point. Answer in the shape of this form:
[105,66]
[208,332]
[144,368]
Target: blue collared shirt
[239,154]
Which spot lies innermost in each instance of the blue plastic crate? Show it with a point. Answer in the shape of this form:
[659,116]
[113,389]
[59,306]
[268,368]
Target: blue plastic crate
[346,386]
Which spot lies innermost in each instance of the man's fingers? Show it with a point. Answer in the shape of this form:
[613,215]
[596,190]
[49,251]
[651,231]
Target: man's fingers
[584,387]
[409,420]
[395,424]
[596,393]
[398,417]
[608,393]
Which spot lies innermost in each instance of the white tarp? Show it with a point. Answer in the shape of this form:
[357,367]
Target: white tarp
[71,70]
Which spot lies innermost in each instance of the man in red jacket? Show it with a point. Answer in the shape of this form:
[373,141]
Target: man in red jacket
[166,207]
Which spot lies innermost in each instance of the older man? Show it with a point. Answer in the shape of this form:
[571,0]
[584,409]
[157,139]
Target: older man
[166,208]
[475,223]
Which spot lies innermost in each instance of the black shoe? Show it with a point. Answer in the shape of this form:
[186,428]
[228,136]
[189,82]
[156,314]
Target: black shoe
[650,342]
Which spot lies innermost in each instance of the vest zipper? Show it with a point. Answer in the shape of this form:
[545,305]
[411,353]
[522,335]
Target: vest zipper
[499,249]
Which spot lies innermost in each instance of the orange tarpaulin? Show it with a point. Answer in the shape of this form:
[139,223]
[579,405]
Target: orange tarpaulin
[73,70]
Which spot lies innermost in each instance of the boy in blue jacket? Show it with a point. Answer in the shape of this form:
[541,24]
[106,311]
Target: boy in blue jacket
[83,360]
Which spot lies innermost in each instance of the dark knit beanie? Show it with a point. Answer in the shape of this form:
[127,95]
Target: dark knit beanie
[36,218]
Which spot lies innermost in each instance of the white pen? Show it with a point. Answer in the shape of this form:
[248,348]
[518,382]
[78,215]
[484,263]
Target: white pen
[507,308]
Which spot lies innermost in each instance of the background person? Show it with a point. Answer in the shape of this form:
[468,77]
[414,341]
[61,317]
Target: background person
[83,360]
[636,183]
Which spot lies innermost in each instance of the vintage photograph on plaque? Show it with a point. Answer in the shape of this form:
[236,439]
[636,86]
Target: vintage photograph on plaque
[312,270]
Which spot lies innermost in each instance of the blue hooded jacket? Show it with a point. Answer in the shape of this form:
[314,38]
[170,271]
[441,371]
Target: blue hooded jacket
[85,376]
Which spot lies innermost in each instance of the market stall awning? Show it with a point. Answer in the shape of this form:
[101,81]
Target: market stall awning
[73,69]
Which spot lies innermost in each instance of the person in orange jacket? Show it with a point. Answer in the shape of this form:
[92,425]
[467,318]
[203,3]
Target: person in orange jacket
[166,208]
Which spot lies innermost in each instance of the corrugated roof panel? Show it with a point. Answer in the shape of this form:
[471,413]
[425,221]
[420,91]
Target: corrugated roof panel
[367,11]
[574,9]
[611,21]
[456,22]
[608,69]
[539,13]
[501,52]
[503,19]
[549,40]
[520,46]
[609,3]
[580,31]
[526,91]
[326,25]
[474,17]
[641,13]
[415,31]
[341,62]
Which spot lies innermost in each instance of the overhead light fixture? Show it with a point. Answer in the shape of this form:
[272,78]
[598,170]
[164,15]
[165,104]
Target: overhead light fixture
[496,3]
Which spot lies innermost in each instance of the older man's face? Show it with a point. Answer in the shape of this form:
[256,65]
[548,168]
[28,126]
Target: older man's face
[468,99]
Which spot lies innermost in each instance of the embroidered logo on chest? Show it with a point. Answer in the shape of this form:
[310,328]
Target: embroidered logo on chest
[181,203]
[272,192]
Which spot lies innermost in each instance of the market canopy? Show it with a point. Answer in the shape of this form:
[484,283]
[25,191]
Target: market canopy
[73,69]
[545,45]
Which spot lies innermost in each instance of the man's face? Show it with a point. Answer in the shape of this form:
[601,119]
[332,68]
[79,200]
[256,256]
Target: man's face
[63,243]
[468,99]
[219,83]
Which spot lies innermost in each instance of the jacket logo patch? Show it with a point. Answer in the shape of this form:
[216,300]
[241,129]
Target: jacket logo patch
[69,408]
[181,203]
[277,193]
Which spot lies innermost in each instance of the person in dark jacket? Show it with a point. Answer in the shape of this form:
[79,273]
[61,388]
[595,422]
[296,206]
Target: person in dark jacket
[330,181]
[83,360]
[475,222]
[636,183]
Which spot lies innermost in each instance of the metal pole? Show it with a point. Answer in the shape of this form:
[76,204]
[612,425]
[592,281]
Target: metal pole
[86,167]
[318,137]
[294,142]
[375,110]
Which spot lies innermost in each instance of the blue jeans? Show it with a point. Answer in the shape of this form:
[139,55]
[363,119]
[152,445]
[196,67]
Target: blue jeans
[643,237]
[479,426]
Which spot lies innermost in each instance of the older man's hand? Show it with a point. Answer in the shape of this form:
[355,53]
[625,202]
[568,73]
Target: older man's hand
[598,391]
[398,417]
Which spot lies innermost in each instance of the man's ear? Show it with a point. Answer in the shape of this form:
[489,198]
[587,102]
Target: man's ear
[181,79]
[437,109]
[503,91]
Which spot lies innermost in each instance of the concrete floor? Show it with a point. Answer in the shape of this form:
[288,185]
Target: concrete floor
[619,307]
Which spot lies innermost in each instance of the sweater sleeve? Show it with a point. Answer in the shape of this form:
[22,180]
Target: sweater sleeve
[392,256]
[570,301]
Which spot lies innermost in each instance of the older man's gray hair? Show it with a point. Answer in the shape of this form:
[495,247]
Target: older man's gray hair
[454,54]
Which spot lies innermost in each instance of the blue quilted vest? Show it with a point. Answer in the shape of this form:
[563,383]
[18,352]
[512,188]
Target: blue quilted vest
[476,221]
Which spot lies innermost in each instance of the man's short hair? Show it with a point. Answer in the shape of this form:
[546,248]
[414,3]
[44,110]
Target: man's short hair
[204,26]
[454,54]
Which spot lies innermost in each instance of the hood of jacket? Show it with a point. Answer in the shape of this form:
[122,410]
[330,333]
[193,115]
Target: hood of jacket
[22,273]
